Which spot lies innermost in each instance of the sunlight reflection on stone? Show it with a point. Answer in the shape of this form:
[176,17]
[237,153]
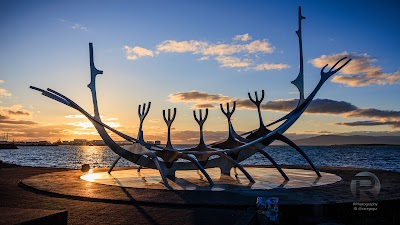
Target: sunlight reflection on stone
[266,178]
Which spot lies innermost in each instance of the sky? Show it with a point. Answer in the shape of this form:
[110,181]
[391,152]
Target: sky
[193,55]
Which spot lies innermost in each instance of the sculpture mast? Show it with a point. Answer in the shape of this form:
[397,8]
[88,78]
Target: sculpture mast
[299,81]
[92,85]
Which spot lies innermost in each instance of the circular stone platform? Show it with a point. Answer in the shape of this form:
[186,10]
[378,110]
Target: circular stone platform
[191,189]
[266,178]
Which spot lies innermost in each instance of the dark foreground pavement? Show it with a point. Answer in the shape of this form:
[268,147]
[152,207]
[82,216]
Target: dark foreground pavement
[87,212]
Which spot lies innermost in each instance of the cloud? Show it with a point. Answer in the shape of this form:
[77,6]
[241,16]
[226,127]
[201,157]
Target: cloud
[153,121]
[222,49]
[88,125]
[134,53]
[181,46]
[324,132]
[78,26]
[380,117]
[242,37]
[75,26]
[259,46]
[111,119]
[317,106]
[269,66]
[375,113]
[4,92]
[204,58]
[359,72]
[4,117]
[78,116]
[17,122]
[227,61]
[317,132]
[394,124]
[204,105]
[33,131]
[205,48]
[15,110]
[12,115]
[23,130]
[226,54]
[198,96]
[229,49]
[328,106]
[188,136]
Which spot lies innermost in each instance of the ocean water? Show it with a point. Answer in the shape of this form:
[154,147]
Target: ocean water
[375,157]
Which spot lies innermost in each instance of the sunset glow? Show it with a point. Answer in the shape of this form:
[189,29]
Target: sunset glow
[197,55]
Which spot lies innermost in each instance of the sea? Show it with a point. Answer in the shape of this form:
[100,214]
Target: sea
[64,156]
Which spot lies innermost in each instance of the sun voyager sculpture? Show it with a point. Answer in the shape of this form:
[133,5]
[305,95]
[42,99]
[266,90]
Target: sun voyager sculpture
[226,154]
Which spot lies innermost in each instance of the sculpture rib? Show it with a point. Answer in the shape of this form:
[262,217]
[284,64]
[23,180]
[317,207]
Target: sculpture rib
[299,150]
[234,139]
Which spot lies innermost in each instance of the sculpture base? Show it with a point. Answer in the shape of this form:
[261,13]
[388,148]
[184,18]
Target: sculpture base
[191,189]
[266,179]
[97,203]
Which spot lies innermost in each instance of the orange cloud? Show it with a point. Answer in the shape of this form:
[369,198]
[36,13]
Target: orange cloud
[4,92]
[134,53]
[227,61]
[359,72]
[232,54]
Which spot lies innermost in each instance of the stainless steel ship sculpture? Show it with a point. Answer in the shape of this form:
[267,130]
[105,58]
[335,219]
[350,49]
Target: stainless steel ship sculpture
[226,154]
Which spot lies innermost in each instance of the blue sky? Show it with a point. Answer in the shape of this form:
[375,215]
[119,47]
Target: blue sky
[192,54]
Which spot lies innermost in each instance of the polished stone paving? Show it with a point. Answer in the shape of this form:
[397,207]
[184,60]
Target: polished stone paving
[266,179]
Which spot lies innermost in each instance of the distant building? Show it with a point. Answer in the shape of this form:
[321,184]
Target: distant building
[79,142]
[98,142]
[157,142]
[59,142]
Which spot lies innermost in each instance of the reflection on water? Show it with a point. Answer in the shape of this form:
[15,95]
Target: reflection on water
[378,157]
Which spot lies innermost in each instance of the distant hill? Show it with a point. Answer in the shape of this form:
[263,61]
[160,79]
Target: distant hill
[348,140]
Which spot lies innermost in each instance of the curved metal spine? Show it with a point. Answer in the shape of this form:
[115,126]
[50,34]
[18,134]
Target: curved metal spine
[200,167]
[238,166]
[299,150]
[276,165]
